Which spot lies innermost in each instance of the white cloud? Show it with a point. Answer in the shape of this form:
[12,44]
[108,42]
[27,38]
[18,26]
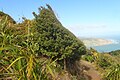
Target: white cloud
[93,29]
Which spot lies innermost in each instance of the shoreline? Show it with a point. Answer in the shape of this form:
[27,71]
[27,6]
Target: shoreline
[90,42]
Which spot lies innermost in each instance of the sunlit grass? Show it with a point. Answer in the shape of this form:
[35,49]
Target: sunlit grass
[20,62]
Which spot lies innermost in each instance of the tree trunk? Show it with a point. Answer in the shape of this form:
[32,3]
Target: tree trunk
[65,64]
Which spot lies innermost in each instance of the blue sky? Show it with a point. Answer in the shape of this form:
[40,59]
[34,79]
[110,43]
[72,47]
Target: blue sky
[86,18]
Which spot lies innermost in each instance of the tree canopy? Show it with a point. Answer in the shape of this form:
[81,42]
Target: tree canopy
[55,40]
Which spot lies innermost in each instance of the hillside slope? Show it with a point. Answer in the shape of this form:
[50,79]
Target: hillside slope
[3,16]
[37,49]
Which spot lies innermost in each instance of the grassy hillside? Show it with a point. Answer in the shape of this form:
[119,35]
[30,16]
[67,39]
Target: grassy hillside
[108,64]
[6,16]
[42,49]
[38,49]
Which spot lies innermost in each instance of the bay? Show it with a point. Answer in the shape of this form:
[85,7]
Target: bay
[107,48]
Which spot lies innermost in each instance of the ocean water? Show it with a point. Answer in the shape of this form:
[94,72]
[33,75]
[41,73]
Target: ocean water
[107,48]
[110,47]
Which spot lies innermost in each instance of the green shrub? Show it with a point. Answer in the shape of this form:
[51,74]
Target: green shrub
[18,59]
[54,40]
[114,73]
[30,50]
[115,53]
[88,58]
[103,61]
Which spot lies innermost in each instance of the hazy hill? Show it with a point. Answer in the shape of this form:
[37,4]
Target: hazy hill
[97,41]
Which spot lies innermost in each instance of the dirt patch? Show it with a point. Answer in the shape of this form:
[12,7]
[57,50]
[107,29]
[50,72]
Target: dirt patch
[90,70]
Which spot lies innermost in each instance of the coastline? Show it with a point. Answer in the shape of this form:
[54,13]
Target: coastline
[90,42]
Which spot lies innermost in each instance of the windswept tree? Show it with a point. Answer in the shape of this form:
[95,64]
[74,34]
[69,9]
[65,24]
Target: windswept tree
[55,41]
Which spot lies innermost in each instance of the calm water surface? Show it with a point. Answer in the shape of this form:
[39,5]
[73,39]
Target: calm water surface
[110,47]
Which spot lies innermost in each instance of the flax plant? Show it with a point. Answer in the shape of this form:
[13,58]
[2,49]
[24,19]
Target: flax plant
[21,62]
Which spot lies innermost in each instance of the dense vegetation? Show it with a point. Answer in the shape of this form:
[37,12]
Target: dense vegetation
[42,49]
[115,53]
[9,19]
[54,40]
[36,49]
[107,63]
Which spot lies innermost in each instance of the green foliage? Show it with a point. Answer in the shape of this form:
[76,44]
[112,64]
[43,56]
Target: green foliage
[54,40]
[30,50]
[106,63]
[18,58]
[9,19]
[114,73]
[103,61]
[115,53]
[88,58]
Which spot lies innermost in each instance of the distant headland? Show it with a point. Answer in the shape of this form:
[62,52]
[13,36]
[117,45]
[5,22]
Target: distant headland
[97,41]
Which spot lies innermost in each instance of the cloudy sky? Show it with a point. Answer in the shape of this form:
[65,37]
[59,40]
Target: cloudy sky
[86,18]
